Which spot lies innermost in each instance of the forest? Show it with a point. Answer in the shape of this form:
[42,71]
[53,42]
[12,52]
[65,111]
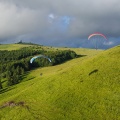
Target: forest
[16,62]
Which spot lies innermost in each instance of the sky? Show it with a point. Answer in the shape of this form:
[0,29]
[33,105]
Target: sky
[65,23]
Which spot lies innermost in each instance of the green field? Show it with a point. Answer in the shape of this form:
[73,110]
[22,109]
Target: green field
[85,88]
[12,46]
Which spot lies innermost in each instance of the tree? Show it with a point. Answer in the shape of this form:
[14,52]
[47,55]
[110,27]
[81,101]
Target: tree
[12,77]
[1,85]
[0,79]
[9,78]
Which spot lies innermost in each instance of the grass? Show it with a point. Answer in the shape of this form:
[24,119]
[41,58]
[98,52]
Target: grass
[12,46]
[85,88]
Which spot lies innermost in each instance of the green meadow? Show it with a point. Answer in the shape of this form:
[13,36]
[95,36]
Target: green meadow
[12,46]
[84,88]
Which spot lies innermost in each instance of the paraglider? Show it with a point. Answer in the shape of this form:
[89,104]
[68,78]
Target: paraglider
[97,33]
[93,37]
[39,56]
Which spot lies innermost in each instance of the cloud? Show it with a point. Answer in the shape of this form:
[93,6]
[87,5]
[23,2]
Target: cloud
[108,43]
[28,20]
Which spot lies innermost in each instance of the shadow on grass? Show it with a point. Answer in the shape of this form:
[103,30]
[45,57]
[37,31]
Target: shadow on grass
[22,77]
[3,81]
[5,90]
[94,71]
[25,77]
[78,56]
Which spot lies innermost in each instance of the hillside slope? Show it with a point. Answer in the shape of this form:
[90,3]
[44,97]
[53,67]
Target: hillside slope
[86,88]
[13,46]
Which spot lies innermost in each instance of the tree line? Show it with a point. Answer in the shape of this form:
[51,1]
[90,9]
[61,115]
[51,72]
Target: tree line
[16,62]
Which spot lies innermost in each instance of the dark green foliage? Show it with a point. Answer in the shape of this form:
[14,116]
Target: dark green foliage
[18,54]
[1,85]
[62,56]
[0,79]
[13,75]
[14,63]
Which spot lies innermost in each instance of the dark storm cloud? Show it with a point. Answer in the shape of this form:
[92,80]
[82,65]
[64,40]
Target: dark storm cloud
[28,20]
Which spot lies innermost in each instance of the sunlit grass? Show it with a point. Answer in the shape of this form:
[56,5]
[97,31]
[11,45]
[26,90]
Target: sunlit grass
[85,88]
[12,46]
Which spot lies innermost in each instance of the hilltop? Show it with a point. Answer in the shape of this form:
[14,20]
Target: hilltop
[84,88]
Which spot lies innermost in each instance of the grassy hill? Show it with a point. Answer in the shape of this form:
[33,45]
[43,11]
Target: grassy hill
[13,46]
[85,88]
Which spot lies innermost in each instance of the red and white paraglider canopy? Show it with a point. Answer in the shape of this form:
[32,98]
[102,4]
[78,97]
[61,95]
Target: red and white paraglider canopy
[97,33]
[96,39]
